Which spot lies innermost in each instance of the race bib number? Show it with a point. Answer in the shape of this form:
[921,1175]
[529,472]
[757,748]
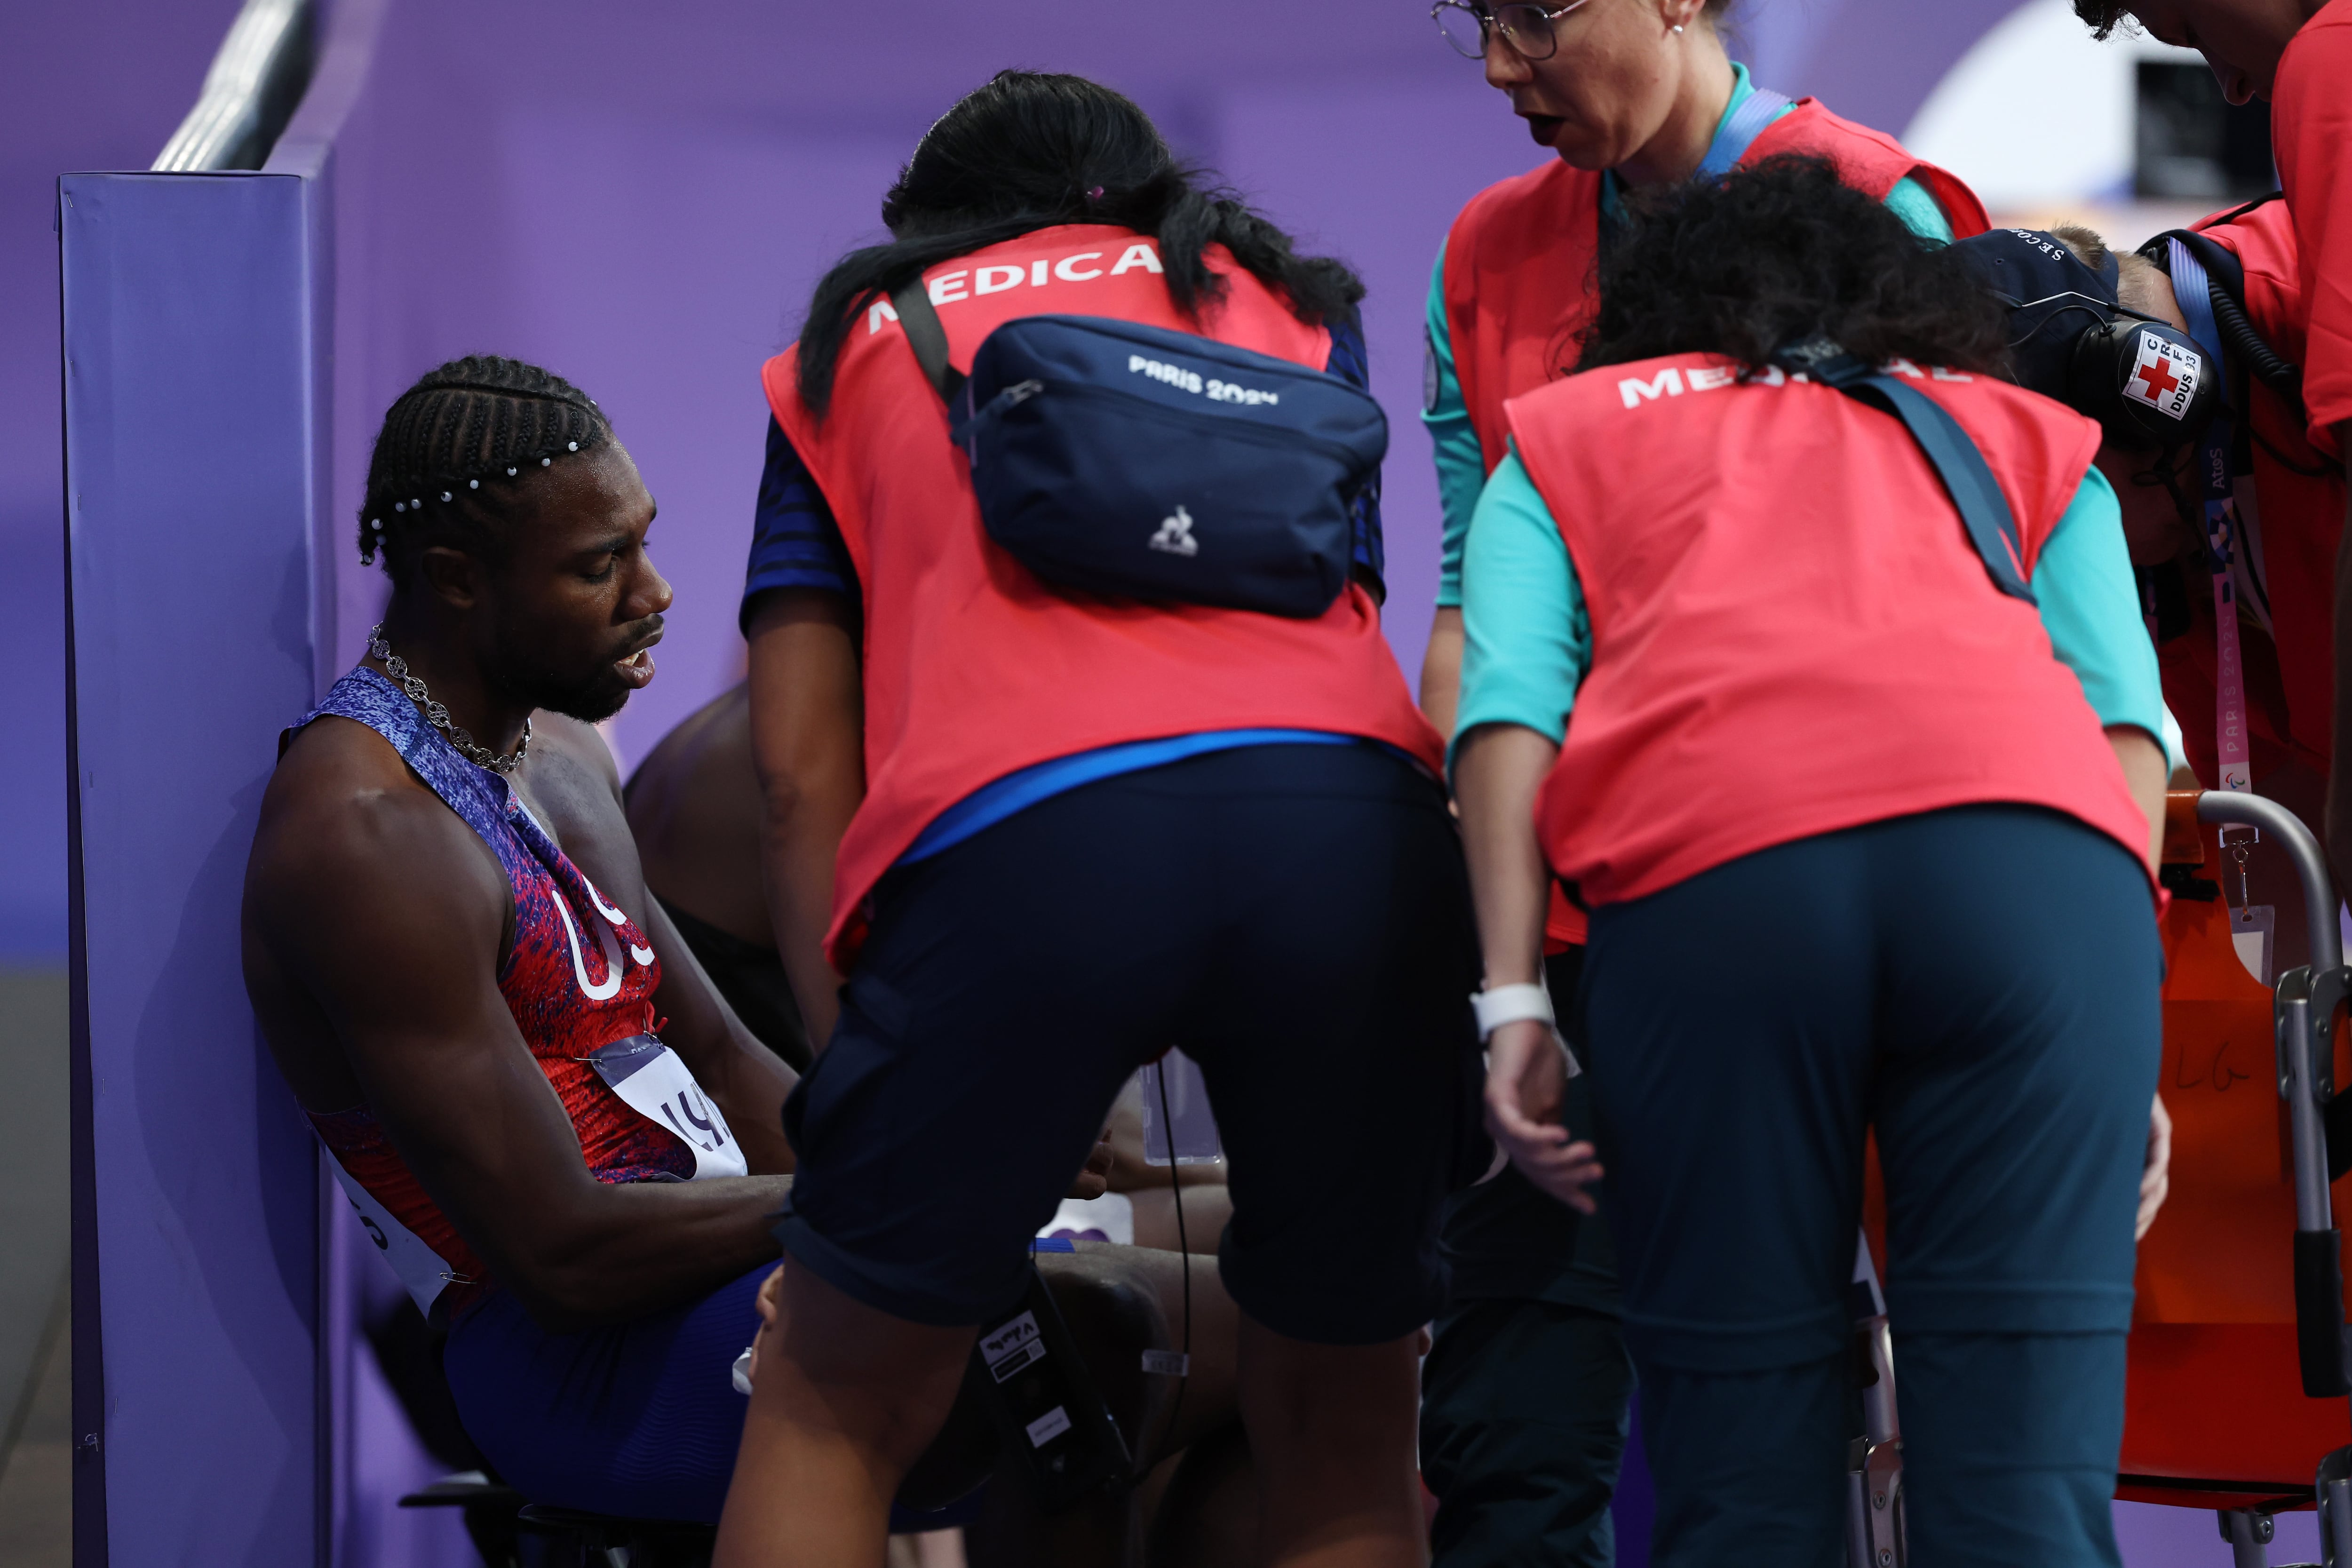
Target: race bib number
[651,1079]
[420,1268]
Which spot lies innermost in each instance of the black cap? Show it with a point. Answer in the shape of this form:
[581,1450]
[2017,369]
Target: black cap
[2052,297]
[2072,339]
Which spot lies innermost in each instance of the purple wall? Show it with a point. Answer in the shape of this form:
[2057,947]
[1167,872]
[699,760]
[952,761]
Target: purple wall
[81,87]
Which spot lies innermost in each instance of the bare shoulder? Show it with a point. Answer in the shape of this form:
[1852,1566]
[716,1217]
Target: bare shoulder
[343,818]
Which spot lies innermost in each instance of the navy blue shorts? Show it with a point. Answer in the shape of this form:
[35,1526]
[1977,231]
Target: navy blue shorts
[641,1420]
[1295,916]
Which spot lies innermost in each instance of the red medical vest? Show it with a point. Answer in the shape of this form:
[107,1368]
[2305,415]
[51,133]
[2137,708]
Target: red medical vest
[1520,271]
[1791,632]
[1519,260]
[2291,684]
[973,668]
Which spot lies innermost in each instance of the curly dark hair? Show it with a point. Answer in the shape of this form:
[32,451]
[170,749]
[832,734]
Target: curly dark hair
[458,448]
[2102,17]
[1746,265]
[1031,151]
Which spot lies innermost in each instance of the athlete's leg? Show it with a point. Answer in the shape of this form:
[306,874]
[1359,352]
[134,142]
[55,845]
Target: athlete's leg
[2022,1047]
[638,1419]
[1340,1058]
[1730,1018]
[642,1420]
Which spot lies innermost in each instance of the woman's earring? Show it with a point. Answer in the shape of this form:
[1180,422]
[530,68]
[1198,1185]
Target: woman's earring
[1678,26]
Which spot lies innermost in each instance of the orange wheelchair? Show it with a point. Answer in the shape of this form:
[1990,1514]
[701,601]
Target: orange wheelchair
[2236,1398]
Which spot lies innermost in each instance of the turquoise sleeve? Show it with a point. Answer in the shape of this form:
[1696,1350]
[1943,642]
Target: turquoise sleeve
[1921,213]
[2090,607]
[1461,465]
[1526,638]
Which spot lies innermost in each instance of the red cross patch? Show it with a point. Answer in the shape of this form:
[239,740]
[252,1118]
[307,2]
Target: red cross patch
[2165,375]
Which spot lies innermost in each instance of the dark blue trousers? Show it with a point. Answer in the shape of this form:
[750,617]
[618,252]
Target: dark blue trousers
[1981,986]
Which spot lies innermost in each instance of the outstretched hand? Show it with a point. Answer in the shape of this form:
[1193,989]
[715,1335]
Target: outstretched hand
[1526,1078]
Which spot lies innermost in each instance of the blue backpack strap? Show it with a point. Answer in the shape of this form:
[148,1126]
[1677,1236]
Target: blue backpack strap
[1992,527]
[1738,134]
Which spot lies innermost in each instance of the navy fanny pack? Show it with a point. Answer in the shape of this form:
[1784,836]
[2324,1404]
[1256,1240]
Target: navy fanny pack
[1110,458]
[1984,511]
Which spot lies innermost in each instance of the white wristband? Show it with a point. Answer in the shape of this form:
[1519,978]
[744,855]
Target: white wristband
[1500,1004]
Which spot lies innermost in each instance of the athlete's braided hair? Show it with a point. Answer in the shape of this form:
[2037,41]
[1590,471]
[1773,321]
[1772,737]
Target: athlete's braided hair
[456,449]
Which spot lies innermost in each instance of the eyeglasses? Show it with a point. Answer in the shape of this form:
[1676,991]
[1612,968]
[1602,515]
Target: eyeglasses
[1526,28]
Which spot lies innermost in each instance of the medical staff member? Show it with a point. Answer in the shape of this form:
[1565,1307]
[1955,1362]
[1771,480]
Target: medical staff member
[1858,854]
[2287,499]
[1064,831]
[2233,525]
[2298,55]
[1524,1397]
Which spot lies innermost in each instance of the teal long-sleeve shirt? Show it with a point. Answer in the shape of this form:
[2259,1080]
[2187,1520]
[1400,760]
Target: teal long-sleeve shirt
[1461,465]
[1528,639]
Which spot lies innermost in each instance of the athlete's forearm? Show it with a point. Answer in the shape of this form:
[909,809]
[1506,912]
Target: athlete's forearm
[624,1251]
[1441,669]
[1497,770]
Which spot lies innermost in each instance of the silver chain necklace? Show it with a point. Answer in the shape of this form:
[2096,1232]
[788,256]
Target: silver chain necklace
[438,715]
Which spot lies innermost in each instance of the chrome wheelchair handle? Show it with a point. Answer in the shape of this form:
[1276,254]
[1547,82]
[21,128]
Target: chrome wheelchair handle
[2304,1015]
[2236,809]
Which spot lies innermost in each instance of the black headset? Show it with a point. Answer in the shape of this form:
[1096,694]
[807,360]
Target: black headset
[2142,379]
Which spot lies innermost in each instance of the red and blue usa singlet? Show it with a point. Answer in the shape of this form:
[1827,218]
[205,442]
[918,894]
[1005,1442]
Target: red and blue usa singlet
[579,979]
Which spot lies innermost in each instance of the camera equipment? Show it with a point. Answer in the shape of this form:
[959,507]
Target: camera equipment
[1045,1400]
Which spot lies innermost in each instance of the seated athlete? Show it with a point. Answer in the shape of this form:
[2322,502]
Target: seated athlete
[564,1141]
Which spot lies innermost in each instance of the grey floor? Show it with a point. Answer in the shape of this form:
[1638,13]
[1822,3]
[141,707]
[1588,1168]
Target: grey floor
[35,1488]
[36,1368]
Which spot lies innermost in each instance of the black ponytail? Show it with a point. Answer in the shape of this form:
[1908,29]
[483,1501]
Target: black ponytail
[1031,151]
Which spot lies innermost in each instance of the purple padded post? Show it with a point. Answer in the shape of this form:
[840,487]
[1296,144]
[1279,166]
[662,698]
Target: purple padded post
[192,389]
